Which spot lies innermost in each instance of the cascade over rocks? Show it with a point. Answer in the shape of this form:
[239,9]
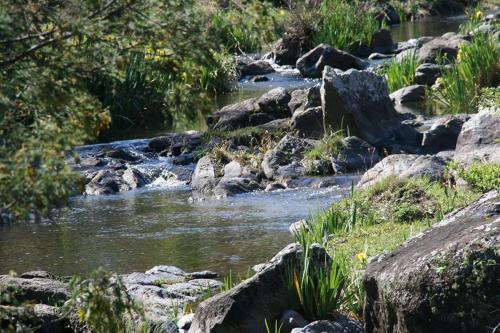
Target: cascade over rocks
[265,295]
[405,166]
[359,101]
[442,280]
[478,139]
[313,62]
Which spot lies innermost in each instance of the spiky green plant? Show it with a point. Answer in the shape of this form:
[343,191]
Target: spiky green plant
[401,73]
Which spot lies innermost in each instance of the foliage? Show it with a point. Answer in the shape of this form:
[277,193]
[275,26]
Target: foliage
[329,145]
[247,26]
[477,66]
[318,290]
[481,176]
[15,316]
[345,24]
[490,98]
[101,302]
[273,329]
[400,74]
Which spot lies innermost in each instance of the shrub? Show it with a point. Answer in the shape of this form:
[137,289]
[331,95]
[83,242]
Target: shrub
[481,176]
[345,24]
[477,66]
[400,74]
[101,302]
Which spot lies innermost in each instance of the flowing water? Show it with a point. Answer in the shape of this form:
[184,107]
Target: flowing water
[160,224]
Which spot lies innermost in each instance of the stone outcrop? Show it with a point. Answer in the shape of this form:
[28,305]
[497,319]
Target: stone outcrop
[405,166]
[244,308]
[479,137]
[443,280]
[308,123]
[313,62]
[359,101]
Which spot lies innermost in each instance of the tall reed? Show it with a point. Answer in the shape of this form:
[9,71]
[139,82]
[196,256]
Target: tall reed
[400,74]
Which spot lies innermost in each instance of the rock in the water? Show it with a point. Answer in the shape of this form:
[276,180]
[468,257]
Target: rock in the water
[235,116]
[443,280]
[275,102]
[188,140]
[382,41]
[405,166]
[379,56]
[259,67]
[410,94]
[259,78]
[111,181]
[355,155]
[235,185]
[291,319]
[427,74]
[265,295]
[446,45]
[479,138]
[313,62]
[289,149]
[342,325]
[359,101]
[122,154]
[204,177]
[443,134]
[287,50]
[309,122]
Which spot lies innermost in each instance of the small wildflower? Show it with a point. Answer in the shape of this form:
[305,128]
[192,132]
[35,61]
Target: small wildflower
[478,15]
[362,257]
[281,12]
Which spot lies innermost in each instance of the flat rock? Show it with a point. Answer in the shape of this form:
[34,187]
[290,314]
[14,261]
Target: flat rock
[442,280]
[446,45]
[405,166]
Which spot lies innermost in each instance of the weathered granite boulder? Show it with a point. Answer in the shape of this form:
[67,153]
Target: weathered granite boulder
[479,138]
[258,67]
[313,62]
[427,74]
[442,280]
[359,101]
[446,45]
[265,295]
[275,102]
[309,122]
[302,99]
[443,134]
[342,325]
[410,94]
[45,290]
[405,166]
[290,149]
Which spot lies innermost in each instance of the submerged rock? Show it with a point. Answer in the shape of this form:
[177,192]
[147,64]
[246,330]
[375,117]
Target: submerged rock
[443,280]
[359,101]
[313,62]
[265,295]
[479,137]
[405,166]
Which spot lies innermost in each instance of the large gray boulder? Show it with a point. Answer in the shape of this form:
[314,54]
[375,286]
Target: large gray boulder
[244,308]
[313,62]
[405,166]
[355,155]
[234,116]
[36,289]
[275,102]
[446,45]
[443,134]
[289,151]
[110,181]
[445,279]
[427,74]
[258,67]
[359,101]
[479,138]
